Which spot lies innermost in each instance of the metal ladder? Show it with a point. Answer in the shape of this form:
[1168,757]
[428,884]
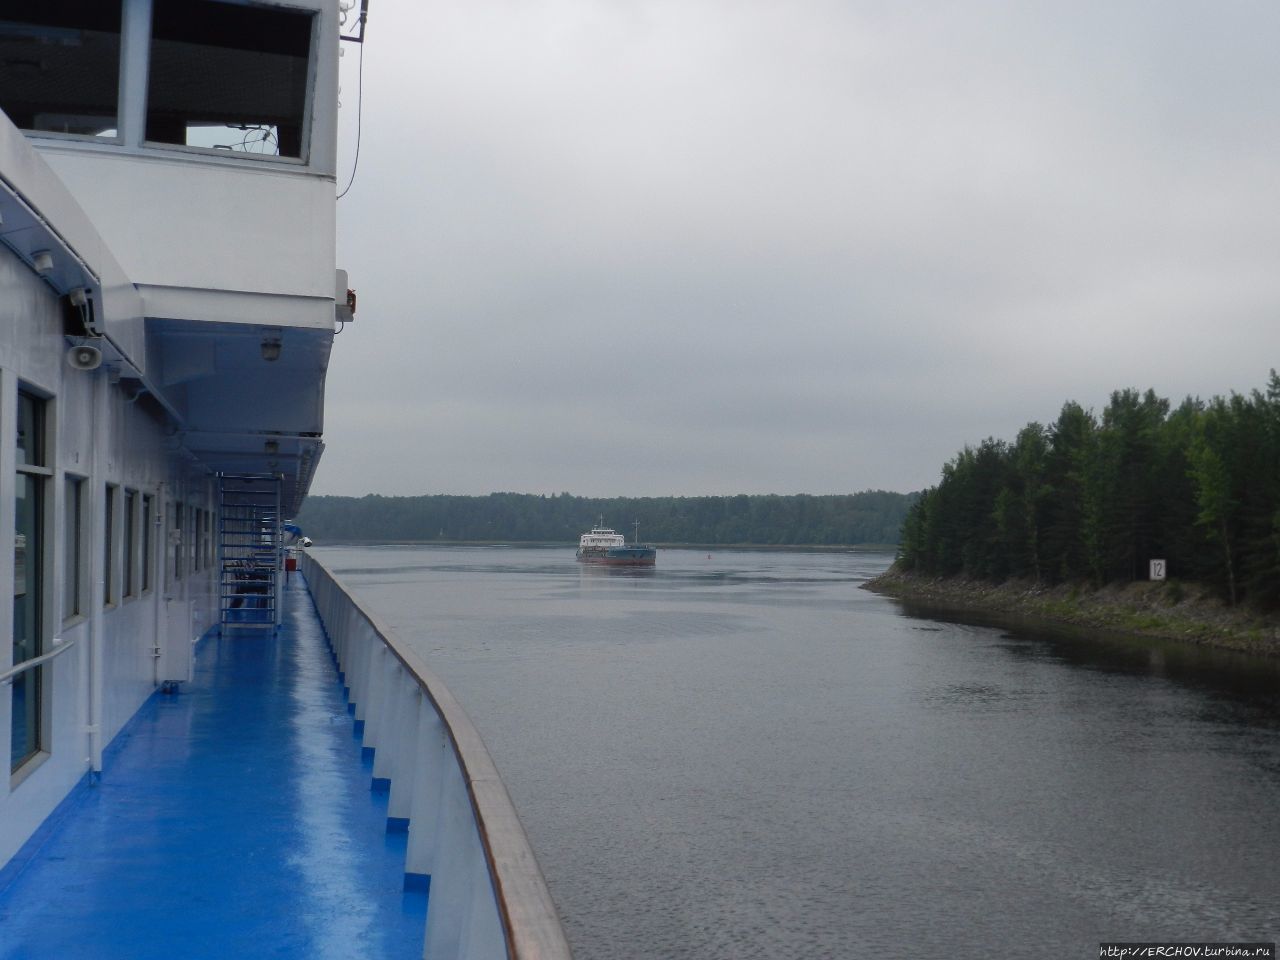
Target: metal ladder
[250,551]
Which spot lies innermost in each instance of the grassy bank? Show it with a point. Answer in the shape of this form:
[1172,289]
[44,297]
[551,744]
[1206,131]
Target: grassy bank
[1173,610]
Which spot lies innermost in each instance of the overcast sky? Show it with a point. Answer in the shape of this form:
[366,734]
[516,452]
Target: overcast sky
[652,247]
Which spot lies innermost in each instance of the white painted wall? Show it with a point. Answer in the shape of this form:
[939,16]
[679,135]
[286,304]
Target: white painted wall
[194,223]
[159,232]
[206,222]
[98,433]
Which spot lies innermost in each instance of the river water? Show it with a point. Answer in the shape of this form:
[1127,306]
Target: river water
[742,755]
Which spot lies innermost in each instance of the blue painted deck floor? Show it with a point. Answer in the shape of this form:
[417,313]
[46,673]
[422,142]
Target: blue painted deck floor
[233,820]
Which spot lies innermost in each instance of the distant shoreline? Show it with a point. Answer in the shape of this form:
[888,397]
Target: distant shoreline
[1165,611]
[572,544]
[872,516]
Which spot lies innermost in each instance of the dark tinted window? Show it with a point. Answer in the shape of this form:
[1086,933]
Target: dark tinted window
[27,735]
[60,65]
[228,77]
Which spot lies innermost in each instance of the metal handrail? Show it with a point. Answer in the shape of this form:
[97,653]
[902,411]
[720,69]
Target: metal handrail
[60,647]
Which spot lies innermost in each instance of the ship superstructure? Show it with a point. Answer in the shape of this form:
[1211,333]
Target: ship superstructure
[168,300]
[168,296]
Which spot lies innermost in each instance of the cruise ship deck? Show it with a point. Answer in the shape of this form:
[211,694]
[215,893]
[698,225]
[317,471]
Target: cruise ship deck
[236,818]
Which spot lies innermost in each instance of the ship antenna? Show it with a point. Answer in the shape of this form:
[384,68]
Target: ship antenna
[637,540]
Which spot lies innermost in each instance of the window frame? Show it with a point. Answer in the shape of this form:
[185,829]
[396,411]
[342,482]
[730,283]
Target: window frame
[147,543]
[129,545]
[193,555]
[37,569]
[307,126]
[76,546]
[110,546]
[177,570]
[121,93]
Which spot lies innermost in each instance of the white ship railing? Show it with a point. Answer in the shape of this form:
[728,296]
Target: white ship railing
[488,898]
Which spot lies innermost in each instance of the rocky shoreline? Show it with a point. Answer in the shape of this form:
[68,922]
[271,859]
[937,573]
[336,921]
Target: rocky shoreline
[1173,610]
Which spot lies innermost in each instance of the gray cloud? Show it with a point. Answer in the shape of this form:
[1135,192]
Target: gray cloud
[713,247]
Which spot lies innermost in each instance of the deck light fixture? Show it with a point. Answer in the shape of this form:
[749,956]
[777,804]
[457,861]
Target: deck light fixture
[271,349]
[42,260]
[272,447]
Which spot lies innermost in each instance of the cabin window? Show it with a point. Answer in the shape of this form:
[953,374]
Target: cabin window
[204,562]
[148,518]
[197,544]
[197,531]
[191,546]
[109,546]
[28,579]
[130,541]
[73,599]
[177,510]
[229,77]
[60,65]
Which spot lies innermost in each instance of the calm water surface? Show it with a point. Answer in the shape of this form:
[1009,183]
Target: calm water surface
[743,755]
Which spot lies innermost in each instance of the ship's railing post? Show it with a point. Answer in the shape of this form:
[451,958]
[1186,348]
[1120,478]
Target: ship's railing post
[428,777]
[382,703]
[375,701]
[487,897]
[345,619]
[405,731]
[363,661]
[452,893]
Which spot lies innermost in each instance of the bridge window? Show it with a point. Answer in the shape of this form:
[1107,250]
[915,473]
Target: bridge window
[229,77]
[60,65]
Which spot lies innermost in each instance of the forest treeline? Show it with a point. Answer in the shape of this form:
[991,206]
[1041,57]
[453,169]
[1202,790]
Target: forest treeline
[871,517]
[1095,499]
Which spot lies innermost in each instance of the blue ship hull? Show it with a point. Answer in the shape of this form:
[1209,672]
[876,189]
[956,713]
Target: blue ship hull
[628,556]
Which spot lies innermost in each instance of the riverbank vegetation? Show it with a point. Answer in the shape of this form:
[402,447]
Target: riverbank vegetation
[1172,610]
[1094,499]
[871,517]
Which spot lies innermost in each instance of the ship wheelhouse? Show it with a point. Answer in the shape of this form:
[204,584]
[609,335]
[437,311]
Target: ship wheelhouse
[601,538]
[198,137]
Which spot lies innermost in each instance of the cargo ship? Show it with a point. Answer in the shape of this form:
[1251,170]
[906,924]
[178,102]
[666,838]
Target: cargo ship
[605,546]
